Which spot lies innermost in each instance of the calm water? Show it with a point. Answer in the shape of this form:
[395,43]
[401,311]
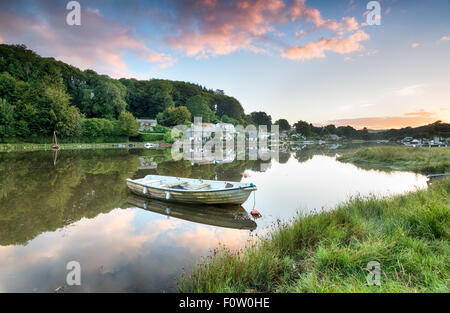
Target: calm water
[80,209]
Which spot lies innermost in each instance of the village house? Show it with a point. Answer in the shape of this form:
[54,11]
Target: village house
[146,124]
[334,137]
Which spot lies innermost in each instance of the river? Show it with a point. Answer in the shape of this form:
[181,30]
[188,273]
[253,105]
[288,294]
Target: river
[78,208]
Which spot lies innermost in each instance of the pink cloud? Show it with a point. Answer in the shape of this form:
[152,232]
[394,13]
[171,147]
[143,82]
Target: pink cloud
[197,28]
[98,43]
[222,27]
[415,45]
[420,113]
[384,122]
[445,38]
[318,48]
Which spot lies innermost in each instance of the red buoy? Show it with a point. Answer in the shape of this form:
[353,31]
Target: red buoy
[245,175]
[255,213]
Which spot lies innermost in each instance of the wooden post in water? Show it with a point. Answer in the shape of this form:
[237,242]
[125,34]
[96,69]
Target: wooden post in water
[55,142]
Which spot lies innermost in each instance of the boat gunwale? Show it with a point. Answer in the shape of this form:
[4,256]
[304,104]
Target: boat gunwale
[247,188]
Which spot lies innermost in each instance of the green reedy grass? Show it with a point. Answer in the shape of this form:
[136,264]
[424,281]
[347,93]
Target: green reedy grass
[329,251]
[418,159]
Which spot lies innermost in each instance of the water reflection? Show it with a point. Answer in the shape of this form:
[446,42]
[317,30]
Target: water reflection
[79,209]
[222,216]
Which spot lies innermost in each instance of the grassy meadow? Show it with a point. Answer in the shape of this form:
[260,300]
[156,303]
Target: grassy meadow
[418,159]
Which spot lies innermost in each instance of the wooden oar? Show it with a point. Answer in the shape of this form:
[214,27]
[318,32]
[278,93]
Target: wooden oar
[174,185]
[200,187]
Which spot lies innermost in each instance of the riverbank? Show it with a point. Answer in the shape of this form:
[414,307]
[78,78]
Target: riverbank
[329,251]
[75,146]
[418,159]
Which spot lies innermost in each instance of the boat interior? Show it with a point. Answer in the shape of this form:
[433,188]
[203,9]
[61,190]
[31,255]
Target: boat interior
[166,182]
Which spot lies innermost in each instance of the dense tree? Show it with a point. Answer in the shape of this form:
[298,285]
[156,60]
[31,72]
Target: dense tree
[198,107]
[6,118]
[261,118]
[105,100]
[303,128]
[226,119]
[173,116]
[283,124]
[330,129]
[225,105]
[128,124]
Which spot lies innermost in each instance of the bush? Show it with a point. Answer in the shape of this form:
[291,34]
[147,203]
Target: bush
[150,137]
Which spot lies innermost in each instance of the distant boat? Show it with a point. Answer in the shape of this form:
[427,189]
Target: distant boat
[189,190]
[223,216]
[149,145]
[55,146]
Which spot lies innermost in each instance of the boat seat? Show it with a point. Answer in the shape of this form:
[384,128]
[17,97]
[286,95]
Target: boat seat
[174,185]
[149,182]
[200,187]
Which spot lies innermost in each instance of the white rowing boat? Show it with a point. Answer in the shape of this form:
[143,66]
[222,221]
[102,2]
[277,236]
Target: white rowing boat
[189,190]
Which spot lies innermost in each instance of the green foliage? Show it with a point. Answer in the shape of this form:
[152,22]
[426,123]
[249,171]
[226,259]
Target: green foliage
[151,136]
[99,127]
[226,119]
[128,124]
[198,107]
[42,95]
[106,100]
[6,118]
[303,128]
[173,116]
[71,123]
[261,118]
[283,124]
[419,159]
[168,138]
[229,106]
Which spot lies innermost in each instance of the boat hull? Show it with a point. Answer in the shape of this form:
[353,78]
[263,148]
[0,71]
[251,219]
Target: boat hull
[232,196]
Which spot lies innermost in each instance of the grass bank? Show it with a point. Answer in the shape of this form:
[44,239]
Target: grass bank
[418,159]
[329,251]
[75,146]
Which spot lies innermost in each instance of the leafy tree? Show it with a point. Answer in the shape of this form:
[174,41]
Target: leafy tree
[283,124]
[199,108]
[303,128]
[107,99]
[261,118]
[128,124]
[173,116]
[6,119]
[330,129]
[160,97]
[225,105]
[226,119]
[70,124]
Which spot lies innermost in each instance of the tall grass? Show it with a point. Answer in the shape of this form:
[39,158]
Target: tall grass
[419,159]
[329,251]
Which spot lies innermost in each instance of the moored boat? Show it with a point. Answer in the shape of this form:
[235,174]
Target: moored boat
[189,190]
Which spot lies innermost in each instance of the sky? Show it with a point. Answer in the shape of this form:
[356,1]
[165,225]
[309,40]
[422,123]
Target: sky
[320,61]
